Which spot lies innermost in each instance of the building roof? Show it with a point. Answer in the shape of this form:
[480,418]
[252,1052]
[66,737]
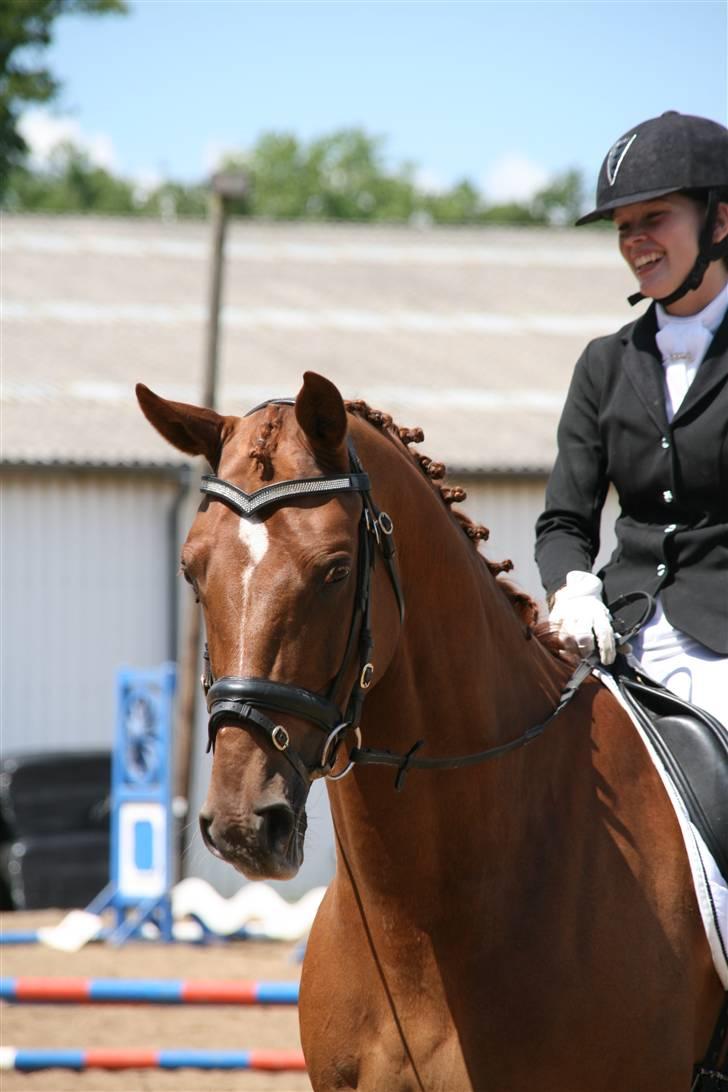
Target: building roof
[470,333]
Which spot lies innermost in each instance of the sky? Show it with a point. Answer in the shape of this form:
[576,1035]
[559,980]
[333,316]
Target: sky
[506,93]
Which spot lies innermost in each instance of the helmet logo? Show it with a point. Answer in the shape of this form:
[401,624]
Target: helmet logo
[615,156]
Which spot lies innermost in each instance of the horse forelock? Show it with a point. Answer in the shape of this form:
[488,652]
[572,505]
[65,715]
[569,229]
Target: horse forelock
[266,442]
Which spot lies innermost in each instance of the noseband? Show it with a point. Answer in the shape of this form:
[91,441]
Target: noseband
[242,701]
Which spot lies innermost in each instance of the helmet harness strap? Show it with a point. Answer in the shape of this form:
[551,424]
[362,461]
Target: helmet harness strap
[708,252]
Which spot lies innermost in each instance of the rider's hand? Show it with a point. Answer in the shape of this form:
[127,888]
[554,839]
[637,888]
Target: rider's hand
[580,614]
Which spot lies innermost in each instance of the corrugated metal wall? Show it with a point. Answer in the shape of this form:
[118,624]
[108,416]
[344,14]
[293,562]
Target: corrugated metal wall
[85,589]
[509,508]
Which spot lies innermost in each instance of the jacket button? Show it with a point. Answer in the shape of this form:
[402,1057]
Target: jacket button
[664,442]
[667,496]
[661,570]
[670,529]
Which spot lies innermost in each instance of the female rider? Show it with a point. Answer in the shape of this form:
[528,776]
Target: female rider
[647,411]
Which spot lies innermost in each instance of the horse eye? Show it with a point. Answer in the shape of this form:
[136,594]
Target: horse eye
[192,583]
[337,573]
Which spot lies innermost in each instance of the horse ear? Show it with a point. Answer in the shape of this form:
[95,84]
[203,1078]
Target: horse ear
[192,429]
[321,414]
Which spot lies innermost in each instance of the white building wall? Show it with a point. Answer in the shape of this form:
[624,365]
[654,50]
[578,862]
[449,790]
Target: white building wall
[85,585]
[509,508]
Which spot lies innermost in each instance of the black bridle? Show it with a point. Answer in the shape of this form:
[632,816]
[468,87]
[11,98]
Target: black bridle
[242,701]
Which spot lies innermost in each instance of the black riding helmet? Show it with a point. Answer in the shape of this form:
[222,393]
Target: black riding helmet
[671,153]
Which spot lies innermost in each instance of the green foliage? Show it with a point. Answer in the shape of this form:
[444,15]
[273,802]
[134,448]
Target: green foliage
[561,202]
[172,199]
[26,29]
[336,177]
[71,184]
[512,213]
[342,176]
[460,205]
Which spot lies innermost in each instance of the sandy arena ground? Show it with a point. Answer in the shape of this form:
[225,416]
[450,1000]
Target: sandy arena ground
[148,1026]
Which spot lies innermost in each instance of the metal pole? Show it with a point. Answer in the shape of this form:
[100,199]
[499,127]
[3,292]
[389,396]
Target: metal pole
[190,654]
[218,212]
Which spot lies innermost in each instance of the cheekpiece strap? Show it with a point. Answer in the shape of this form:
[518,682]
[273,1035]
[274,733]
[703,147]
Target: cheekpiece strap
[247,504]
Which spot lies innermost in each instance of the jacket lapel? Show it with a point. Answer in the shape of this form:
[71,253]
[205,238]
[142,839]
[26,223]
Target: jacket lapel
[642,364]
[712,371]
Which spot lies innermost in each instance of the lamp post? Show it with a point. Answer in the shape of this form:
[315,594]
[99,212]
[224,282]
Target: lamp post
[225,187]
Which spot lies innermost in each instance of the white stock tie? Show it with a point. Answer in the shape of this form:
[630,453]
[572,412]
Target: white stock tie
[683,345]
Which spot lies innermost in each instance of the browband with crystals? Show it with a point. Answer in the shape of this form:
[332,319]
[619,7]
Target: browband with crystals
[246,504]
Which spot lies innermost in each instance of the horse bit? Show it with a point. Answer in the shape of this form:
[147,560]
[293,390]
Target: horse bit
[240,701]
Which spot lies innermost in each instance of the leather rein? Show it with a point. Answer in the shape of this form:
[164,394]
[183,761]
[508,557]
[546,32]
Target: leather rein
[245,701]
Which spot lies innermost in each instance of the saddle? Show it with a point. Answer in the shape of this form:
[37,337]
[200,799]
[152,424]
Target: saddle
[692,745]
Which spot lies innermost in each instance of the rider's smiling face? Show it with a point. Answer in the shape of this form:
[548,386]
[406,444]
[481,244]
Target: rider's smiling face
[659,241]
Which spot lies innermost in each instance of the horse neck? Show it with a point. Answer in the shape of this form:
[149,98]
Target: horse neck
[465,676]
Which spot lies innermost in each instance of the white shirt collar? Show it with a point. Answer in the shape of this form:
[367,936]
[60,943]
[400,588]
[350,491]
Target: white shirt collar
[710,317]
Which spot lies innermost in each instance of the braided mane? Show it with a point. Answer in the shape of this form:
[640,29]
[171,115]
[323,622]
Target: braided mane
[524,606]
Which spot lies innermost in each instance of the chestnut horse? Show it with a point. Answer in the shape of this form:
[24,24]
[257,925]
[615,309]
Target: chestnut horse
[526,923]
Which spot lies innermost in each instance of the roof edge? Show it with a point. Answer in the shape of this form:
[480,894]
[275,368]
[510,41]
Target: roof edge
[180,471]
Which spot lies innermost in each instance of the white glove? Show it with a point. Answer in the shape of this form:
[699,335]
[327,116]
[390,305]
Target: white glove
[579,612]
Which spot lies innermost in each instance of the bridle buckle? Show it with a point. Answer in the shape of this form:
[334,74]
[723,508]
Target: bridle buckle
[365,679]
[280,738]
[386,523]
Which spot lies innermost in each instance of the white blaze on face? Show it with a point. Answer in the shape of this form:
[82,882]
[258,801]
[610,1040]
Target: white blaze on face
[254,536]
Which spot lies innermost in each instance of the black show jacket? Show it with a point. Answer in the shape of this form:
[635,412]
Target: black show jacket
[671,479]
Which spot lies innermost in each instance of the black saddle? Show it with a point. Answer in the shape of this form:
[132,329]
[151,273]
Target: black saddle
[693,748]
[691,743]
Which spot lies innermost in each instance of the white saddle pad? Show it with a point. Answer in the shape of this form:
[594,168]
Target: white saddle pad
[711,888]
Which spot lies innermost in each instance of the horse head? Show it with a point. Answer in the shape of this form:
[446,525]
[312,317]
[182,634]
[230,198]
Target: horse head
[280,556]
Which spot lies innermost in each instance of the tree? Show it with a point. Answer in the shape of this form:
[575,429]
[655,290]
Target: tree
[352,182]
[71,183]
[173,199]
[561,202]
[279,175]
[26,29]
[340,176]
[513,213]
[462,204]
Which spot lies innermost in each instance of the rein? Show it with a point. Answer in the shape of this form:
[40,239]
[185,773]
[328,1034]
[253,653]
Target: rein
[366,756]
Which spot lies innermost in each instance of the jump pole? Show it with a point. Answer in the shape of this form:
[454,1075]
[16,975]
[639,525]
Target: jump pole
[161,991]
[270,1060]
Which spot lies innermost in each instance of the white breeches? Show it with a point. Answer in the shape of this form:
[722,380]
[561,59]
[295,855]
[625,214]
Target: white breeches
[683,665]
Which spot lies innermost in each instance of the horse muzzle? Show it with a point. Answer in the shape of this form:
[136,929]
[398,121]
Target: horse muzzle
[267,843]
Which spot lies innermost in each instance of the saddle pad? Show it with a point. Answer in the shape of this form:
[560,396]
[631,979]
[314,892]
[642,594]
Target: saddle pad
[711,888]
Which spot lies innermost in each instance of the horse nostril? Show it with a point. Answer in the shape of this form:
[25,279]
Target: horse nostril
[205,825]
[277,822]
